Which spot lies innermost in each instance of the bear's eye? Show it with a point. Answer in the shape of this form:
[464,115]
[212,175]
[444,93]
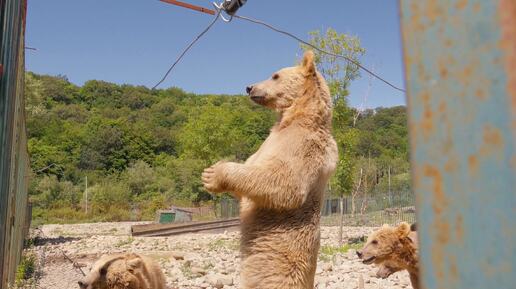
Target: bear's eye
[374,242]
[275,76]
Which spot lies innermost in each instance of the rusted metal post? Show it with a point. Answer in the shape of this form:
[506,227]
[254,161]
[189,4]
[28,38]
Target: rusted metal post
[460,61]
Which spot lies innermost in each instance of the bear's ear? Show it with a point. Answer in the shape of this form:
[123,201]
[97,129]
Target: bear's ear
[308,63]
[134,264]
[403,230]
[104,269]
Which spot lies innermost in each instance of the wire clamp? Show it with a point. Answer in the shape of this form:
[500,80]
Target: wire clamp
[230,7]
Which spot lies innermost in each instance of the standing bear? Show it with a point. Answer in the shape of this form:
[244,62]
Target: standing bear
[281,186]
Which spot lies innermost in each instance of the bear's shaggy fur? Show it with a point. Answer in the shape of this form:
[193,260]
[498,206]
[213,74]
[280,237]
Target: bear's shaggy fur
[124,271]
[281,186]
[393,249]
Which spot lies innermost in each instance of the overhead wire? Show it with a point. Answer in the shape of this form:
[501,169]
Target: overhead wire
[318,49]
[219,9]
[217,15]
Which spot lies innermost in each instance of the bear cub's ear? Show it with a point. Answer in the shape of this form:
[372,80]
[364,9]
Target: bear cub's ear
[134,264]
[403,230]
[308,63]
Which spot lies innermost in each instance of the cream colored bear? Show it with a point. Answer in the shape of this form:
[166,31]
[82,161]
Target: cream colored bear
[282,185]
[124,271]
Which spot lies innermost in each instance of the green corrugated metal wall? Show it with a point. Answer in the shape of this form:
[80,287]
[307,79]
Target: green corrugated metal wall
[14,160]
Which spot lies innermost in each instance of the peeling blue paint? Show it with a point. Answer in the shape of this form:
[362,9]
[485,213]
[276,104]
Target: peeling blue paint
[462,143]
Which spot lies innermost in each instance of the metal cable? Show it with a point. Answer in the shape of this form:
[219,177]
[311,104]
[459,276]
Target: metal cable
[318,49]
[220,8]
[188,48]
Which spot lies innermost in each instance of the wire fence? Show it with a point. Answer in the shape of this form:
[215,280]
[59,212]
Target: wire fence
[229,208]
[376,210]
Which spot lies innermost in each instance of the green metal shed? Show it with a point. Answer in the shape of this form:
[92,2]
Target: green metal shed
[173,215]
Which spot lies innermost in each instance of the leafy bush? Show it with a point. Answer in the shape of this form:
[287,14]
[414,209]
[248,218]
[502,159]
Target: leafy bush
[144,150]
[26,268]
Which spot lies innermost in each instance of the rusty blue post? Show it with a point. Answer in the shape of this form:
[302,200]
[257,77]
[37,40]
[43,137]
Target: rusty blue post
[460,61]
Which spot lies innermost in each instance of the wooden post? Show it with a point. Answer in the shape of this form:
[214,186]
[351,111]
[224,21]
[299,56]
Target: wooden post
[341,221]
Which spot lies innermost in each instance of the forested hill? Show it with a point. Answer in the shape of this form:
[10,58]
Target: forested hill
[143,149]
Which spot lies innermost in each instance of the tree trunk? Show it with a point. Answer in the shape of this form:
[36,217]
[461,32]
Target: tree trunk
[390,194]
[363,205]
[215,209]
[355,193]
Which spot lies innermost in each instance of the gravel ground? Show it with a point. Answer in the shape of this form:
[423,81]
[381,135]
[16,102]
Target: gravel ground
[192,260]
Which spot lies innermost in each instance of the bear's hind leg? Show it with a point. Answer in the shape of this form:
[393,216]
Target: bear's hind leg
[268,271]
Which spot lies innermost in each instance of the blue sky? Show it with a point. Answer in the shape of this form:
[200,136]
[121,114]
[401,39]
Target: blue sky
[135,42]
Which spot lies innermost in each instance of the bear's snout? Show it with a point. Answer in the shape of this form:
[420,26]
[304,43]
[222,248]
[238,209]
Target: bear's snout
[359,254]
[82,284]
[249,89]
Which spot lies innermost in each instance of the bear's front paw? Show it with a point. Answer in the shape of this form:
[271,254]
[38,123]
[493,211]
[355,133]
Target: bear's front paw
[213,178]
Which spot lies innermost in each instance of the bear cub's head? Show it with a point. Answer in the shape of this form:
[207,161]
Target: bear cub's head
[382,244]
[114,272]
[284,86]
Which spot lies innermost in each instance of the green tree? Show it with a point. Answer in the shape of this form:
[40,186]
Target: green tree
[139,177]
[111,199]
[342,181]
[52,193]
[143,150]
[101,93]
[339,73]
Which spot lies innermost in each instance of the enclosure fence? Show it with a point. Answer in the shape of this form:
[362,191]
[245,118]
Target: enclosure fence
[229,208]
[376,210]
[14,160]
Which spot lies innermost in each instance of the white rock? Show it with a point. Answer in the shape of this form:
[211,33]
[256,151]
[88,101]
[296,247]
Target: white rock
[219,280]
[226,280]
[198,271]
[326,267]
[214,281]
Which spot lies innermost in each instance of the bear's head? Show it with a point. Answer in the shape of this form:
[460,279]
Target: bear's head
[383,243]
[113,272]
[284,86]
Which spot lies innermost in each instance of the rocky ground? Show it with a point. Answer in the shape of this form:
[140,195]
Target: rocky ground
[193,260]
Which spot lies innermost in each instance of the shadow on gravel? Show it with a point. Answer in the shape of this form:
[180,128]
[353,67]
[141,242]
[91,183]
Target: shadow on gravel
[40,241]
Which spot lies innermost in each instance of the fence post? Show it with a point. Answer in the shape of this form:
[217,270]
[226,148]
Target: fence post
[341,219]
[460,63]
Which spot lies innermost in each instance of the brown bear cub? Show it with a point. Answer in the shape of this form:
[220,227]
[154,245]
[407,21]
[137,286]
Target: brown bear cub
[281,186]
[124,271]
[393,249]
